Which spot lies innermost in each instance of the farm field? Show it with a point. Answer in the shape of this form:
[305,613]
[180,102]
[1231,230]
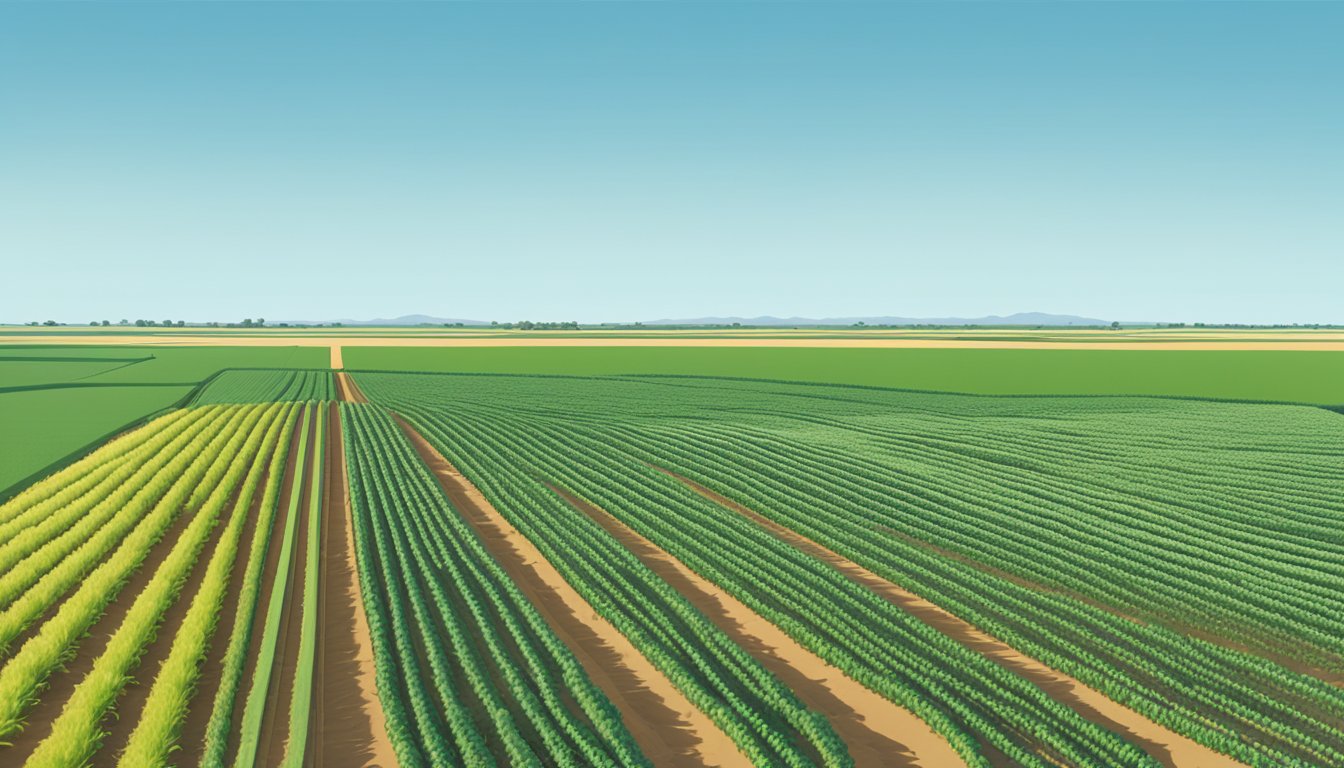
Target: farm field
[622,557]
[58,400]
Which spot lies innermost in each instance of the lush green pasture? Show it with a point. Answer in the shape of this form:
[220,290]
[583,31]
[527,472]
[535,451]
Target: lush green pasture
[75,395]
[42,426]
[1307,377]
[36,373]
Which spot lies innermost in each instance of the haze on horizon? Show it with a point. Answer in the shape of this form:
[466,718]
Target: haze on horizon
[633,161]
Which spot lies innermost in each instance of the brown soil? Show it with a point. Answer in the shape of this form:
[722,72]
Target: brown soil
[63,682]
[351,731]
[667,727]
[275,722]
[1168,747]
[877,731]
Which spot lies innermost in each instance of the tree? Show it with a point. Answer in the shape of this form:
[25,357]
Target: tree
[105,323]
[247,322]
[1115,326]
[261,321]
[50,322]
[181,323]
[167,323]
[124,321]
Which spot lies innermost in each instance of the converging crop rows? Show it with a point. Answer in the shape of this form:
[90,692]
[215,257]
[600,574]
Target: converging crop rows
[316,568]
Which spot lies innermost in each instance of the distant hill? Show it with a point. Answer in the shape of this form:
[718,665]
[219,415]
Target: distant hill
[403,320]
[1021,318]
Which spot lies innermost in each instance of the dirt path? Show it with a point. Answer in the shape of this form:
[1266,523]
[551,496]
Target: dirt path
[668,728]
[336,362]
[1167,746]
[351,729]
[347,390]
[877,731]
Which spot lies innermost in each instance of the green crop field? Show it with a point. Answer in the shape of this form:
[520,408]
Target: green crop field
[1286,376]
[58,400]
[262,576]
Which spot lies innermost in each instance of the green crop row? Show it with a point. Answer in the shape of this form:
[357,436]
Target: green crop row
[497,683]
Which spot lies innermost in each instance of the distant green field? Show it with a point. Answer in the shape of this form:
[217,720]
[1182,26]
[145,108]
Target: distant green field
[173,364]
[1305,377]
[42,426]
[48,419]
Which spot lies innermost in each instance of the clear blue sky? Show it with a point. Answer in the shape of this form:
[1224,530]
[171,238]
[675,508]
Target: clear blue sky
[623,161]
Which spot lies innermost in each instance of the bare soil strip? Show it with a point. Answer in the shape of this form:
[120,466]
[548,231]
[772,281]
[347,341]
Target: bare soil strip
[877,731]
[63,682]
[336,362]
[351,728]
[669,729]
[1167,746]
[275,723]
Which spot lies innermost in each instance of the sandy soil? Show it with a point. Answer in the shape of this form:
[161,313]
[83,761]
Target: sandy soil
[1168,747]
[877,731]
[351,728]
[336,357]
[347,390]
[513,341]
[668,728]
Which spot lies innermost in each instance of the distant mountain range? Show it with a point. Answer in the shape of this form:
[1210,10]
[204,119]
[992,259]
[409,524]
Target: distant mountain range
[1021,318]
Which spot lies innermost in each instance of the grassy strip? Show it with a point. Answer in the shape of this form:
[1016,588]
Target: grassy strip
[152,740]
[235,656]
[78,477]
[24,674]
[77,732]
[261,680]
[300,710]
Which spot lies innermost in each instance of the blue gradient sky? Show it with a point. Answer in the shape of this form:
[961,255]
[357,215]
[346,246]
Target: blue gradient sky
[624,161]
